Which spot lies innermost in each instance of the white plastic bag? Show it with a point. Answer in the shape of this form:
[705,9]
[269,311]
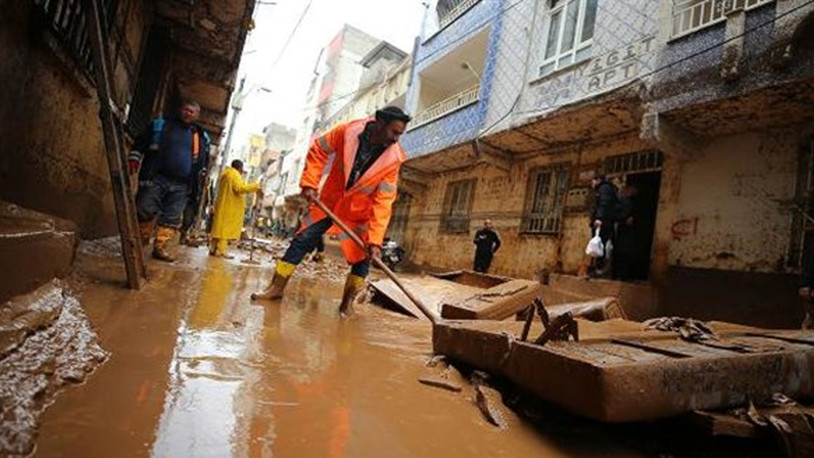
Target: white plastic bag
[595,248]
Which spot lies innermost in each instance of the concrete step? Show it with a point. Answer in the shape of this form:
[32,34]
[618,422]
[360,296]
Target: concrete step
[639,300]
[34,248]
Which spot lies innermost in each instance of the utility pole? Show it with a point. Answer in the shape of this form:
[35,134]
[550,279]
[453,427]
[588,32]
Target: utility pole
[119,177]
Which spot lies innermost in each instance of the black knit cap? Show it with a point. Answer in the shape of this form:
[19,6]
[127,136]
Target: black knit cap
[391,113]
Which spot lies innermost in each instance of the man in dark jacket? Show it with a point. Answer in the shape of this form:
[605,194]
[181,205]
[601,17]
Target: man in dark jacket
[487,243]
[171,156]
[627,249]
[603,216]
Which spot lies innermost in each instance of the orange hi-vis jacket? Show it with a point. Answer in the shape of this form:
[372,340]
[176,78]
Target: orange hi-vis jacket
[366,206]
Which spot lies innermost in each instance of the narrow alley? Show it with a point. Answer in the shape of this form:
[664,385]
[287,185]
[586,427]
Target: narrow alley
[197,369]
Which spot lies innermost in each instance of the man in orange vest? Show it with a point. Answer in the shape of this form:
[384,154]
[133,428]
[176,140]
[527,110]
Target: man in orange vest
[360,189]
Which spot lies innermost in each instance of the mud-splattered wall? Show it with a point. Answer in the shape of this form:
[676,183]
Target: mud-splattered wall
[733,211]
[51,156]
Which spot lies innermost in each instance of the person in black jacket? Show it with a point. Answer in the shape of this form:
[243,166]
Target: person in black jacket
[486,243]
[806,290]
[603,216]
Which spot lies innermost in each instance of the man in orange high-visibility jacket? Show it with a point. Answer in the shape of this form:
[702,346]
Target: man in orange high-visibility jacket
[360,189]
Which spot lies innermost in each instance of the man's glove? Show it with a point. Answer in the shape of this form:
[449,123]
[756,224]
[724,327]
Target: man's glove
[375,251]
[309,194]
[133,165]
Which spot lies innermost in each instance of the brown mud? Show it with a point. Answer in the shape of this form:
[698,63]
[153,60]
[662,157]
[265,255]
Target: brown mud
[197,369]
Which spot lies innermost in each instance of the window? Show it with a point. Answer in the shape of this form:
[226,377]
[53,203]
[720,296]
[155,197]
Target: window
[457,206]
[449,10]
[645,161]
[570,33]
[545,198]
[692,15]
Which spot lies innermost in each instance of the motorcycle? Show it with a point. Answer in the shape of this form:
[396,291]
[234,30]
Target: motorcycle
[392,253]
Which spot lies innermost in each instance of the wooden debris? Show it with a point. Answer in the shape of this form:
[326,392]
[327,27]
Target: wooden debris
[496,303]
[441,383]
[489,402]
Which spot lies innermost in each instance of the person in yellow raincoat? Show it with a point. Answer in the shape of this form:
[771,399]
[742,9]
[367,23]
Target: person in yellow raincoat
[230,206]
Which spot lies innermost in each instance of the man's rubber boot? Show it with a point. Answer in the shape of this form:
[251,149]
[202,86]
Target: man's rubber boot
[282,273]
[162,237]
[354,285]
[145,229]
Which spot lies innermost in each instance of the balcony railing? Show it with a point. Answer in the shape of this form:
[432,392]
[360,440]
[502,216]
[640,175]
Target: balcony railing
[447,106]
[456,12]
[692,15]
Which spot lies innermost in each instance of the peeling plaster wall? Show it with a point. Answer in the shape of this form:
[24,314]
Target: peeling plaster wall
[730,214]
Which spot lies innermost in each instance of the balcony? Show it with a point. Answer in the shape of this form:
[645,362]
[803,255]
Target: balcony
[457,11]
[692,15]
[447,106]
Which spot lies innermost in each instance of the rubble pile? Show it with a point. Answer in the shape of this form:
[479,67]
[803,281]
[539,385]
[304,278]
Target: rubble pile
[46,343]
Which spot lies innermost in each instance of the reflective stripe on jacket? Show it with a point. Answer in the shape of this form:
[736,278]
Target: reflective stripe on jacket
[366,206]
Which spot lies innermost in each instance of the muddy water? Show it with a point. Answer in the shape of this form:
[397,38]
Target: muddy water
[197,369]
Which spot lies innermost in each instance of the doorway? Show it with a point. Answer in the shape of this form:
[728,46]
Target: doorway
[635,235]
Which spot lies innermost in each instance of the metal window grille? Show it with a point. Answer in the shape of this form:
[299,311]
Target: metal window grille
[67,20]
[450,10]
[693,15]
[545,200]
[645,161]
[570,33]
[458,206]
[454,103]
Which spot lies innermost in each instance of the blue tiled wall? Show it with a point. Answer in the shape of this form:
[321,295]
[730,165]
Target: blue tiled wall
[464,124]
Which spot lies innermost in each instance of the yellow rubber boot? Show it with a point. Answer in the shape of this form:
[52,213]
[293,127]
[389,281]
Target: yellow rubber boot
[162,236]
[282,273]
[354,285]
[145,229]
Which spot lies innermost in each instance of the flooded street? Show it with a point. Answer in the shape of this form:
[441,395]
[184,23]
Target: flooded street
[198,369]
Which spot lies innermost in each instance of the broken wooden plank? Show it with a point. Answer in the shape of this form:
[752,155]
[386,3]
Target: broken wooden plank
[446,384]
[496,303]
[387,291]
[602,309]
[610,382]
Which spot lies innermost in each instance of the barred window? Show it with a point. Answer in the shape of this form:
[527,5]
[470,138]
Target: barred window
[67,20]
[643,161]
[545,199]
[692,15]
[570,33]
[458,206]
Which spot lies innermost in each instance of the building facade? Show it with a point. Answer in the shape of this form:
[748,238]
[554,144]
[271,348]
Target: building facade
[702,106]
[53,159]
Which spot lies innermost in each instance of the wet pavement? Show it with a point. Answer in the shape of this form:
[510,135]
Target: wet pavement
[197,369]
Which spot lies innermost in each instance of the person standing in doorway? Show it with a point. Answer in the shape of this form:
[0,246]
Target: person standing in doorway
[627,253]
[603,218]
[171,157]
[230,208]
[487,242]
